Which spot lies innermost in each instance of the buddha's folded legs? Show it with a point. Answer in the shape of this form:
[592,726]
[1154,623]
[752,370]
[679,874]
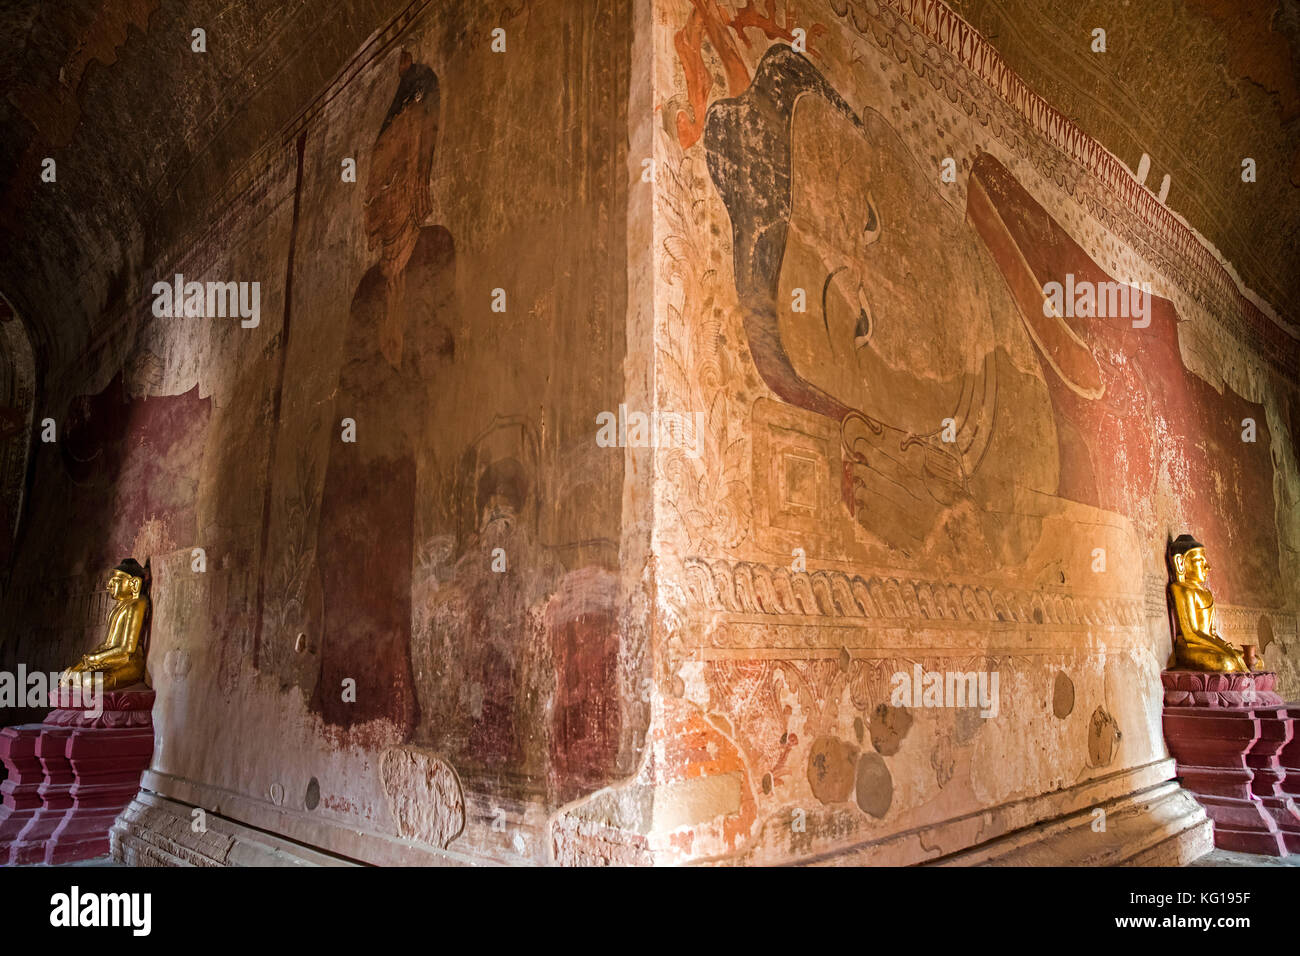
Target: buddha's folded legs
[1203,652]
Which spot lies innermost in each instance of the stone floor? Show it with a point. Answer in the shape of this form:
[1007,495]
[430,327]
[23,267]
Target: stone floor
[97,861]
[1229,858]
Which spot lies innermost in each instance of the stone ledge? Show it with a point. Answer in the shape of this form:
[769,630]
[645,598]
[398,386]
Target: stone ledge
[156,831]
[1161,826]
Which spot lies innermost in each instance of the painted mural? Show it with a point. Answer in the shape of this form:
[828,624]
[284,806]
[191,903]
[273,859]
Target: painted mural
[396,338]
[407,608]
[385,544]
[445,588]
[911,467]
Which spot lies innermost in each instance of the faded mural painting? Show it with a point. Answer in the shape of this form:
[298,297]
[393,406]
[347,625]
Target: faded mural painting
[434,619]
[410,594]
[458,561]
[910,466]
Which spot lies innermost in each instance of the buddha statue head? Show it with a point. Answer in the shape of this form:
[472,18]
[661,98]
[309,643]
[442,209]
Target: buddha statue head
[1190,564]
[127,581]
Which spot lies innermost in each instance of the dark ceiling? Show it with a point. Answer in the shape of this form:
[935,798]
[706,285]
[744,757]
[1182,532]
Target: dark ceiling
[1198,85]
[143,130]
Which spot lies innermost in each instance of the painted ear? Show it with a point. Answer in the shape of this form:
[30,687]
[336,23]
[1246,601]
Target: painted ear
[1180,564]
[405,63]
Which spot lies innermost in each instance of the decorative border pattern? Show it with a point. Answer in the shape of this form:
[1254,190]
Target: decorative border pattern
[1240,623]
[746,587]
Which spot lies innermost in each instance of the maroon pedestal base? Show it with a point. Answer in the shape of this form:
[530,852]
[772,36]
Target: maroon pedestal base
[70,777]
[1289,757]
[20,793]
[1228,734]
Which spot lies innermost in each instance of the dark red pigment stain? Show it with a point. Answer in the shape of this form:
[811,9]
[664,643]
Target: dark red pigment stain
[1154,416]
[367,513]
[587,716]
[147,450]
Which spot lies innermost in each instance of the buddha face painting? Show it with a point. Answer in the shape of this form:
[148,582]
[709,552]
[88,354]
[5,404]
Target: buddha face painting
[869,242]
[397,188]
[840,240]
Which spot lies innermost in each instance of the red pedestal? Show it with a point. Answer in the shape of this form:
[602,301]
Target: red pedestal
[20,793]
[1227,733]
[1289,758]
[72,776]
[29,845]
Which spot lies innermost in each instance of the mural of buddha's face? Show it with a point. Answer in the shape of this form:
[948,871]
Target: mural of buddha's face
[397,189]
[869,242]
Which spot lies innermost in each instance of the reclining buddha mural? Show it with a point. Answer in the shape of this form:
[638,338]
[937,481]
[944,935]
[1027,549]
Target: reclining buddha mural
[954,410]
[923,454]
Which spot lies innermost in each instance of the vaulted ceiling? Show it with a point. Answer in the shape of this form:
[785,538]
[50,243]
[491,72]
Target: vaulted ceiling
[1197,85]
[144,131]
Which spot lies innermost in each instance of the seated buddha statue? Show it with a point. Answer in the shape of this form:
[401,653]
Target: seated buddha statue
[121,657]
[1197,643]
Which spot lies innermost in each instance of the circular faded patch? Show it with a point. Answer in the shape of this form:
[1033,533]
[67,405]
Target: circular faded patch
[1062,695]
[830,769]
[874,785]
[176,663]
[944,761]
[1263,634]
[423,794]
[1103,738]
[967,723]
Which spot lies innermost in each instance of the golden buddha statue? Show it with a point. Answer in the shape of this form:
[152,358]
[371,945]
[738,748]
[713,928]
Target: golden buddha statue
[121,657]
[1198,645]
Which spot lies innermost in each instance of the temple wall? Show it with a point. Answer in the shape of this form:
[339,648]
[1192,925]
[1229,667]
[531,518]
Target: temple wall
[852,450]
[425,636]
[907,465]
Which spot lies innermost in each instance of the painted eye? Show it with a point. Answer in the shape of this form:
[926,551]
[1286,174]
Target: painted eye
[872,227]
[862,330]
